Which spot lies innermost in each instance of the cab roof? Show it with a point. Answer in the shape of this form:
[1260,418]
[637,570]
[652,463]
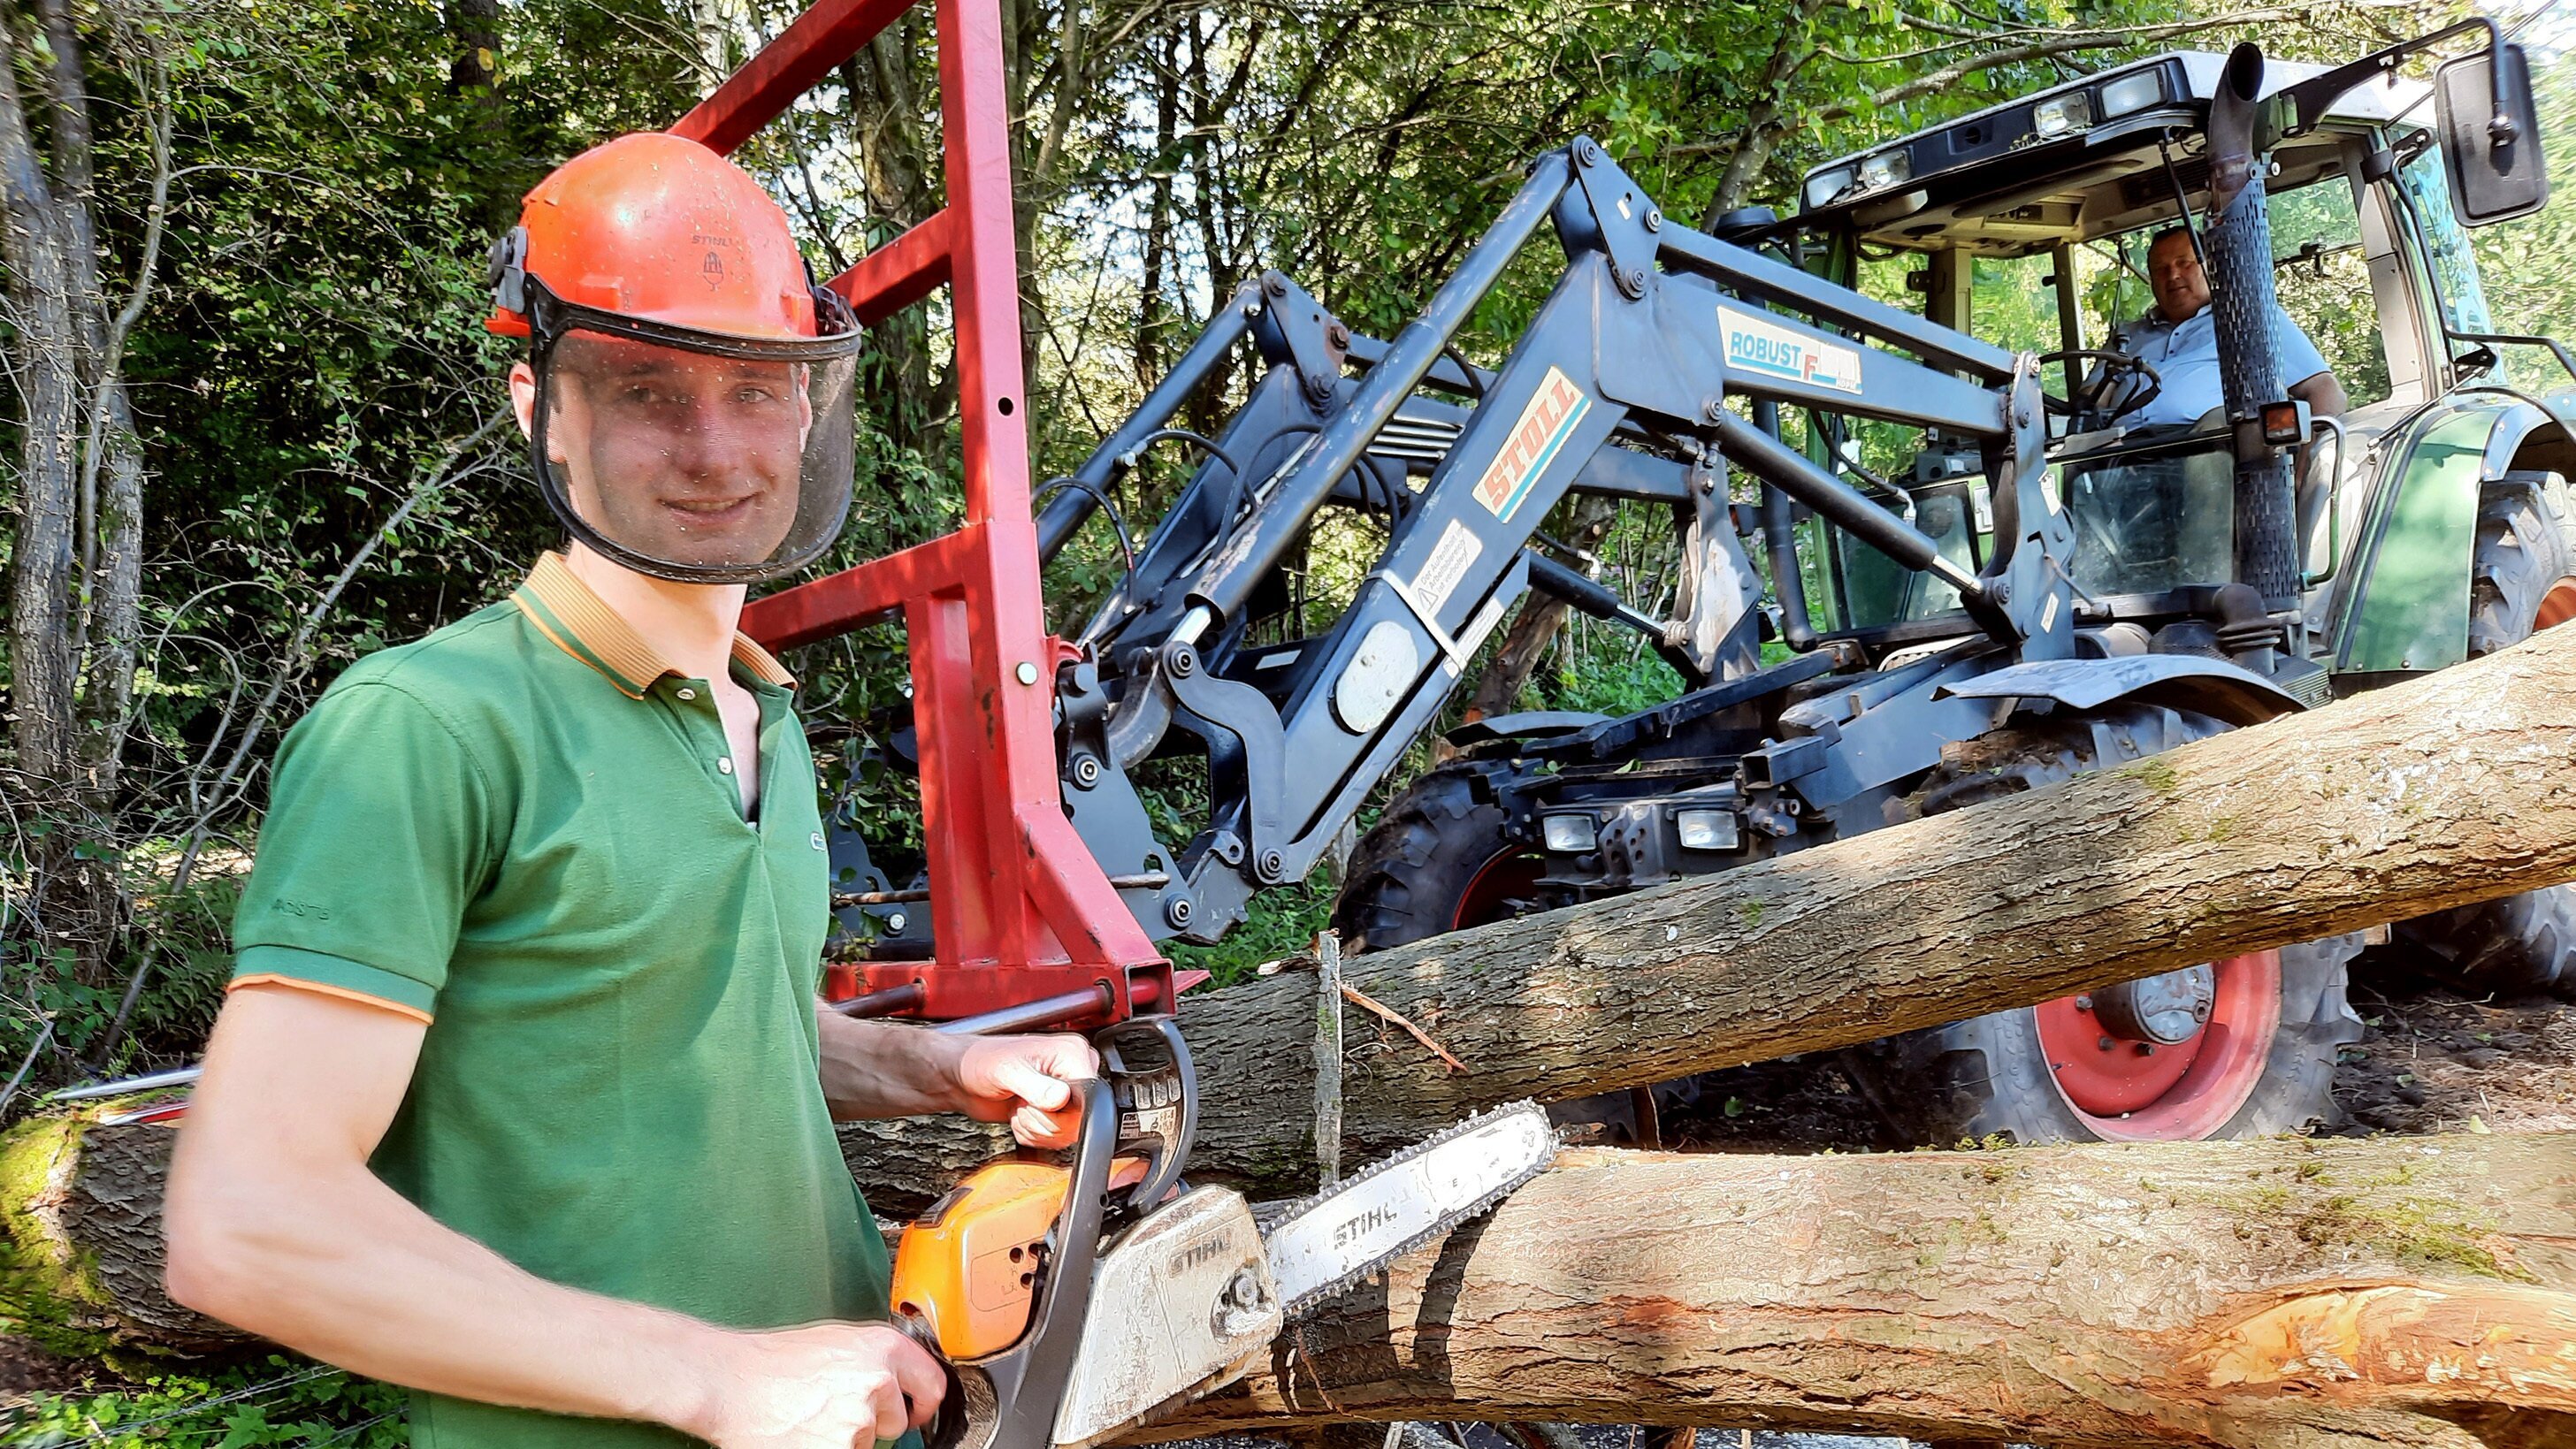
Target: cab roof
[2073,162]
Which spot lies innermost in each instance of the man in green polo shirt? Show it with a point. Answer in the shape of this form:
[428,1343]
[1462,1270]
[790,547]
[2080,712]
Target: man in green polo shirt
[522,1097]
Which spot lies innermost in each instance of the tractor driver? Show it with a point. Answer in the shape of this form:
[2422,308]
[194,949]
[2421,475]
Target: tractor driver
[2179,338]
[522,1096]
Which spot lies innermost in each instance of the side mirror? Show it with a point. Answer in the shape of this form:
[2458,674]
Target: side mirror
[2490,136]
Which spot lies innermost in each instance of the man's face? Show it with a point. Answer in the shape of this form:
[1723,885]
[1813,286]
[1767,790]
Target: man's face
[2173,269]
[677,455]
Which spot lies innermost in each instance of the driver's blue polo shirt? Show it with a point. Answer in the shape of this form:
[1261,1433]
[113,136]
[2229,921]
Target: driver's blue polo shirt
[2185,355]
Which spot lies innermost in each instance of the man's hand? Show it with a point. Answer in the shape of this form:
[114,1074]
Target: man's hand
[828,1386]
[1027,1082]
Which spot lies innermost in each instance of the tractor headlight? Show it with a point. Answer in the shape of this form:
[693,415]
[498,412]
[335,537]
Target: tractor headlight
[1885,169]
[2132,92]
[1708,829]
[1568,834]
[1824,186]
[2062,115]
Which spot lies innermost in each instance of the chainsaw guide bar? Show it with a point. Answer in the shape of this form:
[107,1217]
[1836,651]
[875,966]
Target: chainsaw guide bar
[1323,1245]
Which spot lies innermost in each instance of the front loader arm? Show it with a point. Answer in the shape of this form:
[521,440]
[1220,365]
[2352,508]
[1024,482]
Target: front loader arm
[1648,332]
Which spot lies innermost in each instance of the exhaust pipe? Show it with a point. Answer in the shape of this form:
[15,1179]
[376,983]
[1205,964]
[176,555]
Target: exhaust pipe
[2237,256]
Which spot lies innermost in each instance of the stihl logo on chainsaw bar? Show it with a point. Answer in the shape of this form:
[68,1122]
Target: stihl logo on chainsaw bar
[1535,441]
[1351,1230]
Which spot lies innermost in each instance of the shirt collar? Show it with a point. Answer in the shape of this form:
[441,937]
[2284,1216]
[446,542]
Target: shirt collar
[581,624]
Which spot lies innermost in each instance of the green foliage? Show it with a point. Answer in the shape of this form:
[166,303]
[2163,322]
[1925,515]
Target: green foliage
[1281,923]
[290,1403]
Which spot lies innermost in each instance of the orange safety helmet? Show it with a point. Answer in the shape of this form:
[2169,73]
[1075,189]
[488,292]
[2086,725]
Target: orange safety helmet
[657,227]
[693,385]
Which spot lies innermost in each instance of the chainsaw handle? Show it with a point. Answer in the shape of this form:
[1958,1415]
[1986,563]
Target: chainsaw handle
[1009,1400]
[1169,1152]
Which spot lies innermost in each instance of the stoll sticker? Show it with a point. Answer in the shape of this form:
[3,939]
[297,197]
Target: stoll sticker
[1544,426]
[1757,344]
[1458,547]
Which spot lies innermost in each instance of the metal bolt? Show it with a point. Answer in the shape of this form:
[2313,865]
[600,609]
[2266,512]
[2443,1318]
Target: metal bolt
[1587,154]
[1275,286]
[1027,673]
[2084,1003]
[2200,1011]
[1183,663]
[1338,334]
[1654,219]
[1086,771]
[1177,911]
[1714,409]
[1272,865]
[2105,1043]
[2146,1048]
[895,921]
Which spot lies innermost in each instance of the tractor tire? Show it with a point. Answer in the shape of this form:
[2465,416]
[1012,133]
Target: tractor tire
[1993,1077]
[2522,579]
[1439,860]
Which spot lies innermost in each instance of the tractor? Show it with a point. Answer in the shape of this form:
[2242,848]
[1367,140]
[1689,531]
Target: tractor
[2427,524]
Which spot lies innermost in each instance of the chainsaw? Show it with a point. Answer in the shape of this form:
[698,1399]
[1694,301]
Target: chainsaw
[1070,1301]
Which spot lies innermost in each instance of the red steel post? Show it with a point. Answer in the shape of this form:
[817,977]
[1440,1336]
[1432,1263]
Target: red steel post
[1020,909]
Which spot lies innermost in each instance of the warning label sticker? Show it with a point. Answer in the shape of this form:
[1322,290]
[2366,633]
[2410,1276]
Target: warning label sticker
[1758,344]
[1458,547]
[1536,439]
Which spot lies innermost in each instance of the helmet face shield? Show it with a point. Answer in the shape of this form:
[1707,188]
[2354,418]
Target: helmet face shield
[693,456]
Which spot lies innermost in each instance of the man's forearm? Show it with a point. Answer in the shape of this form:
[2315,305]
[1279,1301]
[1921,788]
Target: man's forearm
[881,1069]
[346,1270]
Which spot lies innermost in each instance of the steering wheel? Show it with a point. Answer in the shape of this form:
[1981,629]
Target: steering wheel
[2093,395]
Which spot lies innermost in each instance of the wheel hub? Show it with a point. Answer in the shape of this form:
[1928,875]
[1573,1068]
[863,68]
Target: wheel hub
[2169,1058]
[2165,1010]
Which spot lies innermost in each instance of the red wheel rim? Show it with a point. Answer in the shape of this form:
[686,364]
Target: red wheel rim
[2557,606]
[2178,1093]
[1496,885]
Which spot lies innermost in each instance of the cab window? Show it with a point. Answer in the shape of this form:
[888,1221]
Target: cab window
[2319,273]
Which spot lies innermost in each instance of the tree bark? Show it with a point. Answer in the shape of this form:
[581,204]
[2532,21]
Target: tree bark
[38,242]
[2273,1294]
[2443,790]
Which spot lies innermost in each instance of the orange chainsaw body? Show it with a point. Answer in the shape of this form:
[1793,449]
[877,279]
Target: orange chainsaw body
[969,1266]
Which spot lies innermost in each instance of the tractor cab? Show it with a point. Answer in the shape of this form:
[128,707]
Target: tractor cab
[2029,225]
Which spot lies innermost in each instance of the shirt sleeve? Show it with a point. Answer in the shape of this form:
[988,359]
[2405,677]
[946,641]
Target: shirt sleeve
[377,837]
[2300,359]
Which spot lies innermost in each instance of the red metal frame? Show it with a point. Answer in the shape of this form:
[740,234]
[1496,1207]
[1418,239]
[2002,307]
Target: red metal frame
[1020,910]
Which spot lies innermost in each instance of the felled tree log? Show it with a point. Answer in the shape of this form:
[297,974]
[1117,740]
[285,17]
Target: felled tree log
[80,1270]
[2275,1294]
[2449,789]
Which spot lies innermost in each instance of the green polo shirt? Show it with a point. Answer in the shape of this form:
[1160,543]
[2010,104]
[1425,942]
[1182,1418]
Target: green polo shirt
[525,831]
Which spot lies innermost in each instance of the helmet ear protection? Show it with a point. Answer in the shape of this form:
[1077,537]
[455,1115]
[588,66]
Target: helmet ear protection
[507,275]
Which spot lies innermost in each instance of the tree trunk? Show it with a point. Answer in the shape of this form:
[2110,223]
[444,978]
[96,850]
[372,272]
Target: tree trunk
[1498,689]
[2443,790]
[2274,1294]
[42,283]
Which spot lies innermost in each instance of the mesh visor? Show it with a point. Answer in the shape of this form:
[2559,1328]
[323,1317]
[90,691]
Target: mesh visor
[694,456]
